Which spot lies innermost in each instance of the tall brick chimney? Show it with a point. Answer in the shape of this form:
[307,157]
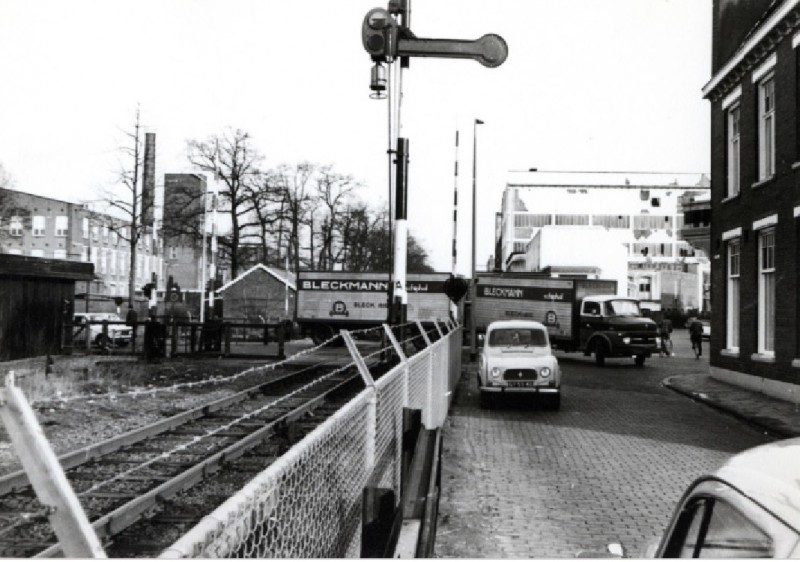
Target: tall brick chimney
[149,179]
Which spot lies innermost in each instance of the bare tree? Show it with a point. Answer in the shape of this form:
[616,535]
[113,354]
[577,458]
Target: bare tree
[334,190]
[295,187]
[130,203]
[233,160]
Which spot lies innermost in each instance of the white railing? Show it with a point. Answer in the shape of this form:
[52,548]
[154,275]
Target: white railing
[308,503]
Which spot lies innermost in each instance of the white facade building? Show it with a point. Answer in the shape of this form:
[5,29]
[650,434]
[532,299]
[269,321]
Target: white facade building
[639,212]
[593,251]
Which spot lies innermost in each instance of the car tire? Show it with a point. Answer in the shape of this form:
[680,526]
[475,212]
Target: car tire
[486,400]
[102,340]
[639,360]
[600,352]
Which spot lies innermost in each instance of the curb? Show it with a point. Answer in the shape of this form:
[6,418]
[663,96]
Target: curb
[769,429]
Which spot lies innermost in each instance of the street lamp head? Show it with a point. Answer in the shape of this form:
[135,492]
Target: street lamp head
[478,122]
[533,169]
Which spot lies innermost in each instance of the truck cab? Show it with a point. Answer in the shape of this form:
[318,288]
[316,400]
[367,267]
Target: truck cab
[613,326]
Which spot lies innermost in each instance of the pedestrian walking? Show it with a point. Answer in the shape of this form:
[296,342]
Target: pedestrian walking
[665,331]
[696,335]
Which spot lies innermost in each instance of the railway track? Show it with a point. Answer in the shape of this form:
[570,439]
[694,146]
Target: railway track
[142,490]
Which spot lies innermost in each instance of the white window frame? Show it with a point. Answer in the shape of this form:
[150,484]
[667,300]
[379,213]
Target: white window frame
[59,254]
[734,114]
[766,303]
[37,253]
[62,225]
[733,297]
[15,226]
[85,227]
[38,225]
[766,127]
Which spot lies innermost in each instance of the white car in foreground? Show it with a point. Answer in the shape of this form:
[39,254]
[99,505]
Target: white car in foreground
[516,358]
[748,508]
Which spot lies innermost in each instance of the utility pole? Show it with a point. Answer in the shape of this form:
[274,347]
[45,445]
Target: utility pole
[387,38]
[473,345]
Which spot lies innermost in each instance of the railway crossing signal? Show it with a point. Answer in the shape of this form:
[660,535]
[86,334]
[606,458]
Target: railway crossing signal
[387,37]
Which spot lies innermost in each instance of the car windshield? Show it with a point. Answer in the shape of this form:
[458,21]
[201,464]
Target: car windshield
[517,336]
[622,308]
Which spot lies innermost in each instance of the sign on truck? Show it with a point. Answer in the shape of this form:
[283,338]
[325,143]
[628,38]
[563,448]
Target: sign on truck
[328,301]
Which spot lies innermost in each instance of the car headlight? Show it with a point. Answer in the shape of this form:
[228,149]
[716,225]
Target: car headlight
[495,372]
[544,372]
[626,341]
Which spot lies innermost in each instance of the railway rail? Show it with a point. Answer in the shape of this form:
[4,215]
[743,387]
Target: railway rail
[143,489]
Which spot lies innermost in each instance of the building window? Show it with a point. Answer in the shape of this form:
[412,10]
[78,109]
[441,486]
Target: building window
[62,224]
[766,291]
[60,254]
[173,252]
[85,227]
[15,226]
[572,220]
[114,237]
[112,263]
[733,151]
[95,232]
[105,233]
[93,255]
[766,128]
[37,253]
[651,222]
[732,304]
[15,251]
[38,225]
[612,221]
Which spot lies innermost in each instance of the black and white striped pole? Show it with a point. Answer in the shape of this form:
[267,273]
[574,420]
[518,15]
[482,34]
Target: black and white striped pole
[389,40]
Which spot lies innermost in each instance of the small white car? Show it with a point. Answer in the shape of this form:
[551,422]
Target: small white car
[118,333]
[516,358]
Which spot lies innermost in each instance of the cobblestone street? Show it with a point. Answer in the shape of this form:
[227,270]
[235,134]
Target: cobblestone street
[520,481]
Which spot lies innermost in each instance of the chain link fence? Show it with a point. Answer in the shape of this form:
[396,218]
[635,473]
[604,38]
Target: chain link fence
[308,503]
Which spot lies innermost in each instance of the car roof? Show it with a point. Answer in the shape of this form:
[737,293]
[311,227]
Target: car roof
[498,324]
[770,475]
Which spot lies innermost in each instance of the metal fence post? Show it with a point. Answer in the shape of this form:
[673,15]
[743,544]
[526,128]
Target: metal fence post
[372,416]
[70,524]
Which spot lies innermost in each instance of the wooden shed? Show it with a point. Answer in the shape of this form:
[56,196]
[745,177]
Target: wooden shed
[260,294]
[37,297]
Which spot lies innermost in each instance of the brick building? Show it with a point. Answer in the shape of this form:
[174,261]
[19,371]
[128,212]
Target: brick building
[260,294]
[184,216]
[755,196]
[43,227]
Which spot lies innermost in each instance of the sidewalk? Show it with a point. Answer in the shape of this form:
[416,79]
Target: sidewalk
[776,417]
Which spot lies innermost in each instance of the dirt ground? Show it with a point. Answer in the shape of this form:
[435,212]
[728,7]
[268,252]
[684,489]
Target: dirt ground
[84,400]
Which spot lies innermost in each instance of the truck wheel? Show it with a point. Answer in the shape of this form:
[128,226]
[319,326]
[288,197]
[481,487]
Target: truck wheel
[600,351]
[639,360]
[102,340]
[322,333]
[487,401]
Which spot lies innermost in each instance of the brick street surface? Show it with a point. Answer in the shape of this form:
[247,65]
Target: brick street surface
[520,481]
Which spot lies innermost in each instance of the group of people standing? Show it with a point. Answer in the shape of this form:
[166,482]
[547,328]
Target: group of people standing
[695,335]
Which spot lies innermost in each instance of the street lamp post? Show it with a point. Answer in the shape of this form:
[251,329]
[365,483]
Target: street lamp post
[473,293]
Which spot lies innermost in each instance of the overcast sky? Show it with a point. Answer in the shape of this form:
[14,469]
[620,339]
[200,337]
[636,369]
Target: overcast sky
[588,85]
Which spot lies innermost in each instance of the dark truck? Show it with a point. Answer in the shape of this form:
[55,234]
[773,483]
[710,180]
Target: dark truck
[580,314]
[328,301]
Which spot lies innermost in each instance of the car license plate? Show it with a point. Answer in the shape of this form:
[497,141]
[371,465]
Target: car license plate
[521,384]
